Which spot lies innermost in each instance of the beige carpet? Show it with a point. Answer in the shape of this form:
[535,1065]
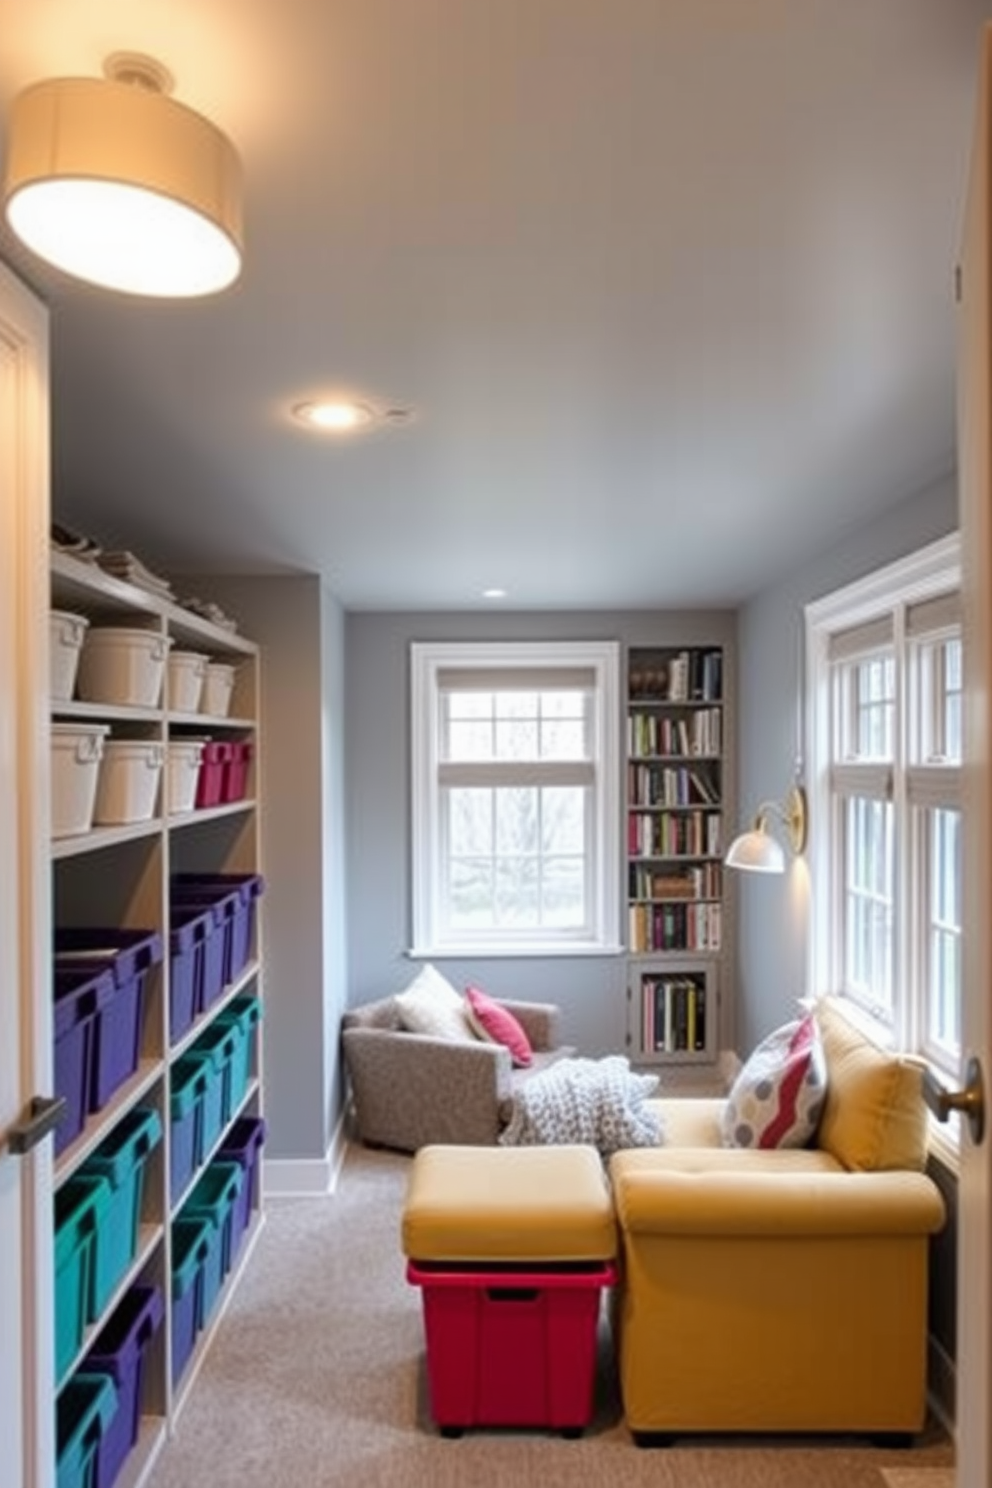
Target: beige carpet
[315,1380]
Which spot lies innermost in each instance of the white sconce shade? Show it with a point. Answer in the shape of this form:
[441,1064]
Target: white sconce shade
[117,184]
[757,851]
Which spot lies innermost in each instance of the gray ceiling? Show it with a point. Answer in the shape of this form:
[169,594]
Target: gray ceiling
[668,284]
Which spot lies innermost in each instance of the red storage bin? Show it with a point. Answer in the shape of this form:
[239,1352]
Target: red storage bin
[511,1347]
[234,783]
[210,782]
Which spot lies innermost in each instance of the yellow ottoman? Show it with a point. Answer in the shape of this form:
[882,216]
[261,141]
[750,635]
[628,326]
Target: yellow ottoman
[511,1247]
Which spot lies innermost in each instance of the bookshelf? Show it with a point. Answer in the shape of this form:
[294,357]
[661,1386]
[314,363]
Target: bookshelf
[675,798]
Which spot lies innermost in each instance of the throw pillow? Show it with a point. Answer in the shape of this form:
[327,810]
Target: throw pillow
[874,1119]
[778,1097]
[497,1025]
[431,1005]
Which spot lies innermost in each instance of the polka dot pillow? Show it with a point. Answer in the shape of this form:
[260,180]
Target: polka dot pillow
[778,1097]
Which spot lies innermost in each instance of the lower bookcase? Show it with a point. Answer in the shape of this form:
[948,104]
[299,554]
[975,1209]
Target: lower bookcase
[672,1010]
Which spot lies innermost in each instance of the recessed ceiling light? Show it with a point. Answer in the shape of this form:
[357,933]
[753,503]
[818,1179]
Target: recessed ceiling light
[336,417]
[494,593]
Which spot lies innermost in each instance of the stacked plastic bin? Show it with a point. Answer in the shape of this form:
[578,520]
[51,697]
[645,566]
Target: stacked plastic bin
[100,985]
[120,1354]
[97,1228]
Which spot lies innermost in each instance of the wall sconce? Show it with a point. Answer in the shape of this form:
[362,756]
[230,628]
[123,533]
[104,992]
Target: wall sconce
[757,851]
[113,182]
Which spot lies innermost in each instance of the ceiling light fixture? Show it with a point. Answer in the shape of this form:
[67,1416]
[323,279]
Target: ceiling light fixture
[115,183]
[757,851]
[336,417]
[494,593]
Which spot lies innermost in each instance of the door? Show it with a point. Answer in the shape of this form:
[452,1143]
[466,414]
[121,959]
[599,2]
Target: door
[26,1322]
[974,1377]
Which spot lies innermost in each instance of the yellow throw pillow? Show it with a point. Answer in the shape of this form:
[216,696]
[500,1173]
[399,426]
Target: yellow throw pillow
[874,1119]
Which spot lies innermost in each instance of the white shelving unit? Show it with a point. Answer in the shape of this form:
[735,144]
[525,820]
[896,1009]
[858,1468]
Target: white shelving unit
[675,803]
[119,877]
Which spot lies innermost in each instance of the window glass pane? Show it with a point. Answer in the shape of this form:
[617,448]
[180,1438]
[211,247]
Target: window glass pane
[868,922]
[516,858]
[515,726]
[943,993]
[874,718]
[939,687]
[470,822]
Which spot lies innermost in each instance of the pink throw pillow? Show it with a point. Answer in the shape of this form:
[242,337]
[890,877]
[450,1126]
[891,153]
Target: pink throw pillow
[496,1023]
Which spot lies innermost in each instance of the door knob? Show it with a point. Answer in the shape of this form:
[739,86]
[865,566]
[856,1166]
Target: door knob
[43,1115]
[970,1100]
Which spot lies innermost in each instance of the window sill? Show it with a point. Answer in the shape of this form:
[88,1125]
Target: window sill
[482,949]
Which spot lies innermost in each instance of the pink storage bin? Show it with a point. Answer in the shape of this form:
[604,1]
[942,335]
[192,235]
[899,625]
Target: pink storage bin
[511,1347]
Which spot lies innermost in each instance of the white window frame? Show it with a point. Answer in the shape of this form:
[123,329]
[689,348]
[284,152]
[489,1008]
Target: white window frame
[887,593]
[428,660]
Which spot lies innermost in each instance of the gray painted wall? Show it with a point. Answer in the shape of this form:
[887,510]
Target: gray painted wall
[299,629]
[590,990]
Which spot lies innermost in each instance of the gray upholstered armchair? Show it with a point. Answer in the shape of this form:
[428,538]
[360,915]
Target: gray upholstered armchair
[410,1090]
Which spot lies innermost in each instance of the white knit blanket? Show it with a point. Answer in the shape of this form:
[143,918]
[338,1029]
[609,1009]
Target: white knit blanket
[598,1102]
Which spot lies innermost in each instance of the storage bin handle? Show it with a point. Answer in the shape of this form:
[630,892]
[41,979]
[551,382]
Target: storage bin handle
[89,747]
[512,1294]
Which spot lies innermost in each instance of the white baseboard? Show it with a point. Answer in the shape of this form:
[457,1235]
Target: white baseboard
[306,1178]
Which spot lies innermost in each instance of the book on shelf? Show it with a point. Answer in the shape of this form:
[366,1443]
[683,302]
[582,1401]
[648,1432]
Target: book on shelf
[673,1013]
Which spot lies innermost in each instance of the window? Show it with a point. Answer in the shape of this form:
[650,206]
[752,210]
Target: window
[515,797]
[885,707]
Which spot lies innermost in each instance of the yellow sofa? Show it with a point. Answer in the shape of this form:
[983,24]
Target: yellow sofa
[781,1290]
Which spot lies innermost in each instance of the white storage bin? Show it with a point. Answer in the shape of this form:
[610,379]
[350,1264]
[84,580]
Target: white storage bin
[129,779]
[186,673]
[183,773]
[217,688]
[66,632]
[123,666]
[77,749]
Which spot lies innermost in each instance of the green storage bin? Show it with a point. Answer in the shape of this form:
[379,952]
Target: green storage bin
[213,1199]
[217,1046]
[242,1014]
[81,1205]
[192,1238]
[121,1160]
[188,1088]
[85,1410]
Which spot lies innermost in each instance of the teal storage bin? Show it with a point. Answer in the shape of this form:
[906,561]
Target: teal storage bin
[213,1199]
[121,1160]
[243,1015]
[80,1208]
[217,1045]
[187,1090]
[191,1245]
[84,1411]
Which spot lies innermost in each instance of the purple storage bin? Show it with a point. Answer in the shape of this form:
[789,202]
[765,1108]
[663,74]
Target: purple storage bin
[248,887]
[128,954]
[223,905]
[191,928]
[243,1145]
[81,993]
[120,1352]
